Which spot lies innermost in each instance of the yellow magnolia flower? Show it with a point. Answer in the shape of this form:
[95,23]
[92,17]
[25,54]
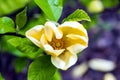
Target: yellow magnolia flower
[62,42]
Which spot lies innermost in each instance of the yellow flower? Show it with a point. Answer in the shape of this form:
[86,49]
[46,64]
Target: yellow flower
[62,42]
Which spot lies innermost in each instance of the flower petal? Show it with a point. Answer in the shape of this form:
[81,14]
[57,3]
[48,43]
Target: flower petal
[49,27]
[34,34]
[74,36]
[64,61]
[72,39]
[56,61]
[73,27]
[76,48]
[48,32]
[35,41]
[49,49]
[43,40]
[76,43]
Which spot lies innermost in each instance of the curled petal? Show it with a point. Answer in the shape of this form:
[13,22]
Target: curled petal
[35,41]
[43,40]
[49,49]
[34,34]
[78,43]
[52,27]
[74,36]
[48,32]
[73,27]
[56,61]
[76,48]
[76,39]
[64,61]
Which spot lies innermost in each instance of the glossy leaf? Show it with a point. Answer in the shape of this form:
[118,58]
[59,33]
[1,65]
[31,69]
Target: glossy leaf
[52,8]
[41,69]
[78,15]
[21,19]
[6,25]
[25,46]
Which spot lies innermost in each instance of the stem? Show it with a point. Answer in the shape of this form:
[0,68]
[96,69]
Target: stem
[12,34]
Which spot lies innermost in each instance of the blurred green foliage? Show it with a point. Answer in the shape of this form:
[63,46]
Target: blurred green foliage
[110,4]
[1,77]
[95,11]
[10,6]
[6,25]
[20,64]
[106,3]
[97,6]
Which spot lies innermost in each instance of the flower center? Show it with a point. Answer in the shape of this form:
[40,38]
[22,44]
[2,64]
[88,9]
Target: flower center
[57,43]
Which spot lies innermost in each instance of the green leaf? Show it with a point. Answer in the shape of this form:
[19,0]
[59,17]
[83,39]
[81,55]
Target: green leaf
[6,25]
[3,43]
[41,69]
[1,77]
[20,64]
[93,23]
[21,19]
[35,21]
[10,6]
[57,76]
[78,15]
[52,8]
[5,46]
[25,46]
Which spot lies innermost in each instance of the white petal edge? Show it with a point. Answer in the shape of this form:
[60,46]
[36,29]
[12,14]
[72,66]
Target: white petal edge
[35,41]
[61,64]
[56,61]
[58,33]
[72,61]
[38,27]
[76,48]
[49,49]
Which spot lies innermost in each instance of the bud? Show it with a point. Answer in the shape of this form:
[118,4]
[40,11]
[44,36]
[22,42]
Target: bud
[95,6]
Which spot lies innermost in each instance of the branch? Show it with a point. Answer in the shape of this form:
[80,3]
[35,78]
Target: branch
[12,34]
